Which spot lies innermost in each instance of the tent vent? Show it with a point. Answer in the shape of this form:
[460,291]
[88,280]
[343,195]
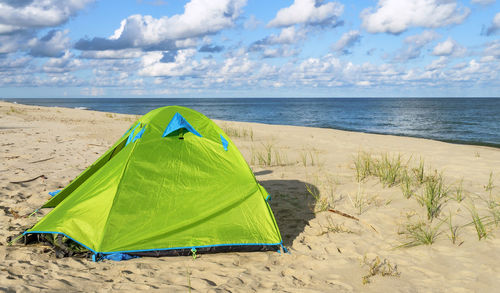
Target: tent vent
[178,122]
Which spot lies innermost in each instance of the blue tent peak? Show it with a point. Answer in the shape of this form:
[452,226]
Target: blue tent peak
[178,122]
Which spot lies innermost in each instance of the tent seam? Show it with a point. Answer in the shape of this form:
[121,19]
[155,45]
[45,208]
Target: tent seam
[116,195]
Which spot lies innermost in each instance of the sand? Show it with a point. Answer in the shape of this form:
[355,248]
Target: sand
[329,252]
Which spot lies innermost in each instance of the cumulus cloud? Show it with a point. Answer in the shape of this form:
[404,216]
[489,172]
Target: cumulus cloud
[448,47]
[413,46]
[396,16]
[284,51]
[211,49]
[53,44]
[182,64]
[14,42]
[33,14]
[112,54]
[66,63]
[200,18]
[483,2]
[9,63]
[308,12]
[492,50]
[346,41]
[495,25]
[288,35]
[21,20]
[278,45]
[252,23]
[437,64]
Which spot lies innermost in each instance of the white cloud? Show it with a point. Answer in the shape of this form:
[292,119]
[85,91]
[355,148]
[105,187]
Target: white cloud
[275,46]
[439,63]
[414,45]
[312,12]
[495,25]
[53,44]
[13,42]
[448,47]
[252,23]
[483,2]
[287,36]
[493,50]
[66,63]
[112,54]
[21,20]
[183,65]
[396,16]
[92,91]
[284,51]
[21,15]
[11,63]
[200,18]
[346,41]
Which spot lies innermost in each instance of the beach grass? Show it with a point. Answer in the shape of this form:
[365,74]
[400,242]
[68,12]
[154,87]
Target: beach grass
[406,184]
[433,195]
[419,172]
[321,204]
[363,166]
[453,229]
[459,191]
[420,233]
[478,223]
[489,187]
[388,169]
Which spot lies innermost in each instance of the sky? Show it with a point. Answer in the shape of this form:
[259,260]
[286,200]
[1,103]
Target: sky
[239,48]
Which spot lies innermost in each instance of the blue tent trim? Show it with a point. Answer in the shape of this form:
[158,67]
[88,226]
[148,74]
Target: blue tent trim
[99,255]
[54,193]
[131,135]
[224,142]
[119,256]
[139,134]
[178,122]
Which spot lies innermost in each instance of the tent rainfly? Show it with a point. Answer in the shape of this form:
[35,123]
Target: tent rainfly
[174,184]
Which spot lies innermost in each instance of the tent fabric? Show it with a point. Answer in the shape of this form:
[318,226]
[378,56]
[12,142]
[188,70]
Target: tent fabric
[160,192]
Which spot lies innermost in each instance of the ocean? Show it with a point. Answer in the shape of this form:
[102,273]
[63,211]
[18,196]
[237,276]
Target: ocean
[458,120]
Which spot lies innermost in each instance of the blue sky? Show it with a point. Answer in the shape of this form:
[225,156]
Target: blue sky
[238,48]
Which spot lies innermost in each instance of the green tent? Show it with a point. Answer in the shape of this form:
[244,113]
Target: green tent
[173,184]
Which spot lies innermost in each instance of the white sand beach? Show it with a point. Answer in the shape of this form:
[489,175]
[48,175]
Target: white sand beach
[311,171]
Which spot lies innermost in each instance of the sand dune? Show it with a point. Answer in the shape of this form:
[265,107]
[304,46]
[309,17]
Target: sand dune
[329,252]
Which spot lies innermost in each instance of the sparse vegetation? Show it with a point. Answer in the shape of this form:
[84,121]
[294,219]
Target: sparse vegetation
[361,202]
[335,228]
[388,170]
[363,166]
[489,187]
[321,203]
[459,191]
[406,184]
[477,221]
[453,231]
[309,157]
[433,196]
[378,267]
[420,172]
[238,132]
[420,233]
[268,155]
[14,110]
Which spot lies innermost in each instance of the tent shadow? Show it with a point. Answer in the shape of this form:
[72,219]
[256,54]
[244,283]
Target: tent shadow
[292,206]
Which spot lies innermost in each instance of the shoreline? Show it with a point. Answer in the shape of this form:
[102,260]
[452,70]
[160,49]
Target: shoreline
[458,142]
[309,171]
